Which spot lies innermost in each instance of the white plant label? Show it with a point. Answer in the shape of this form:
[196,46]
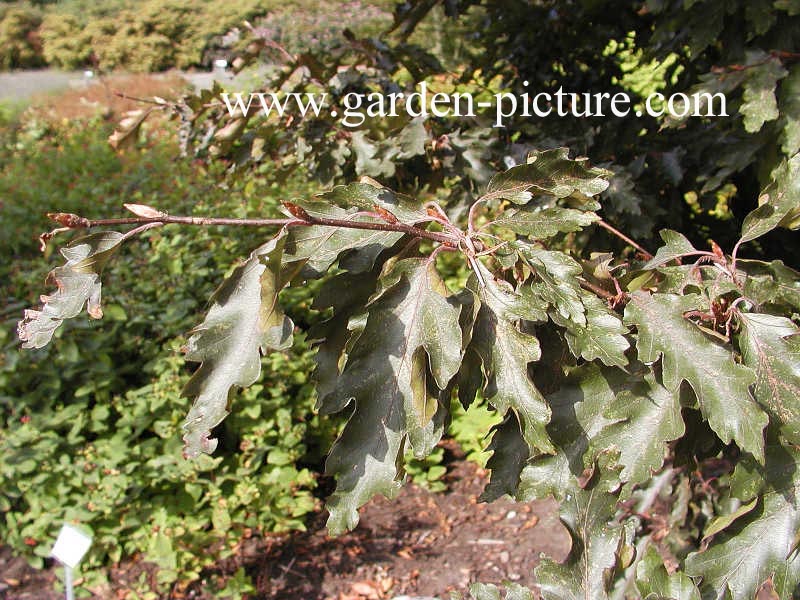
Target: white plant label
[70,546]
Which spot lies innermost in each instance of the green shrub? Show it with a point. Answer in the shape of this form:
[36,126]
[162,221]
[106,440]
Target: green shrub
[20,46]
[65,42]
[155,36]
[88,433]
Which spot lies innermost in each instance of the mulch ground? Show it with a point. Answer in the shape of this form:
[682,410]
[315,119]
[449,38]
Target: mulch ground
[419,544]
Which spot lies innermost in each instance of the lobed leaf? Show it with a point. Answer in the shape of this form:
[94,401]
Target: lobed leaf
[722,386]
[505,352]
[541,224]
[318,247]
[78,283]
[549,172]
[244,321]
[510,454]
[578,417]
[770,283]
[675,246]
[347,295]
[758,99]
[601,338]
[779,203]
[597,541]
[556,281]
[645,417]
[489,591]
[368,194]
[770,346]
[655,583]
[410,345]
[760,545]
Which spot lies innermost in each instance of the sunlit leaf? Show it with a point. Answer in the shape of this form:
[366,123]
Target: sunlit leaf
[549,172]
[596,541]
[543,224]
[675,246]
[761,544]
[505,353]
[771,347]
[779,203]
[412,330]
[243,322]
[722,386]
[655,583]
[78,285]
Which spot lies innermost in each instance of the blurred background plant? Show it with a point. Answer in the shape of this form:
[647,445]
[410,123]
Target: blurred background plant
[155,35]
[90,427]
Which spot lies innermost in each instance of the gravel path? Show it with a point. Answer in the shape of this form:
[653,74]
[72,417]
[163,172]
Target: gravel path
[21,85]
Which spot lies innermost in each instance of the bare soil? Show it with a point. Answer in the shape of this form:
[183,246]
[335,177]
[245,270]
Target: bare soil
[419,544]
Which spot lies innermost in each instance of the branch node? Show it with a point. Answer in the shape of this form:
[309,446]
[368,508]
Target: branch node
[297,211]
[70,220]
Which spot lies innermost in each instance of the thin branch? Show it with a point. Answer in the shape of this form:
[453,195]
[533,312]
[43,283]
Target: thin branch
[597,290]
[473,214]
[76,222]
[624,237]
[125,96]
[141,229]
[200,221]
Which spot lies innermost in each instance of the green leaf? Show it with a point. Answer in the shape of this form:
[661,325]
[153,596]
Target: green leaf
[654,582]
[347,294]
[370,158]
[549,172]
[412,139]
[540,224]
[510,453]
[675,246]
[578,416]
[790,112]
[489,591]
[779,203]
[368,194]
[770,283]
[597,540]
[721,385]
[244,319]
[318,247]
[646,417]
[601,338]
[721,522]
[761,544]
[758,100]
[505,353]
[412,330]
[78,282]
[556,281]
[770,346]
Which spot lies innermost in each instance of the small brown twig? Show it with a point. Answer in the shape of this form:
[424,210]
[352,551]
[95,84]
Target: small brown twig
[124,96]
[597,290]
[624,238]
